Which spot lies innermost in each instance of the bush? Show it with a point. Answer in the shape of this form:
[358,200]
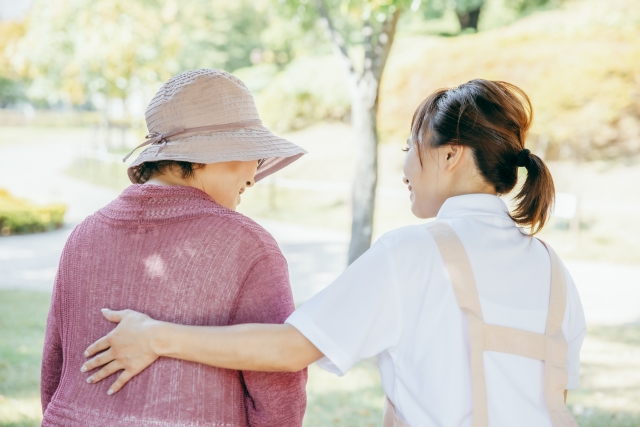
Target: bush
[579,64]
[308,90]
[18,216]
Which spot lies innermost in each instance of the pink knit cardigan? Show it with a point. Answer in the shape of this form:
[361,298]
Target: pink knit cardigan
[176,255]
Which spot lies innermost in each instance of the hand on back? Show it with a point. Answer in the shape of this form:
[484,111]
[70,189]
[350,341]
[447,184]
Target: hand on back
[127,348]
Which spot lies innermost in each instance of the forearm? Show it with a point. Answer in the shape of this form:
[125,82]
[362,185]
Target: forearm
[249,347]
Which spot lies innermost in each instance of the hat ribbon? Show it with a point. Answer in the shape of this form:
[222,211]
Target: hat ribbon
[161,138]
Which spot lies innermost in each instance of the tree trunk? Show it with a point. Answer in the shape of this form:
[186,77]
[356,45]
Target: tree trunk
[469,19]
[364,110]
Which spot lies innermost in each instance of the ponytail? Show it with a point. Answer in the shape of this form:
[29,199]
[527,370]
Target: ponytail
[492,118]
[535,199]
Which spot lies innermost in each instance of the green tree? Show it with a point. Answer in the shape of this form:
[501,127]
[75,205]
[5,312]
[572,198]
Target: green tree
[361,33]
[468,13]
[76,48]
[11,86]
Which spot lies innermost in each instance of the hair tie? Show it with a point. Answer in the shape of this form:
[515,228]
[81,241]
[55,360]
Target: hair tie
[523,159]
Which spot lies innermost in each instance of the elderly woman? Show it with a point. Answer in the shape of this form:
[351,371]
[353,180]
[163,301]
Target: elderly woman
[172,245]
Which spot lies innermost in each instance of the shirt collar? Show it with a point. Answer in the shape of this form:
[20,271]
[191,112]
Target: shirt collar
[473,204]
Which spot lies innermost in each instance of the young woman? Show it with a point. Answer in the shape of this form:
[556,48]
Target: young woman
[474,322]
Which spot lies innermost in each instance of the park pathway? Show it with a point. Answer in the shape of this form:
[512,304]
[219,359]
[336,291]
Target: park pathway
[315,257]
[610,292]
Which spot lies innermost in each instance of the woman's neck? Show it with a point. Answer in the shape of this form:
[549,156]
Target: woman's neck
[170,179]
[220,195]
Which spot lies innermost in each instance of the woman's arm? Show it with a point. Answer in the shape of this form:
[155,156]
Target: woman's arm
[139,340]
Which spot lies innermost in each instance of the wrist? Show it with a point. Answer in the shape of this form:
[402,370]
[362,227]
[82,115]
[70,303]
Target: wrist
[159,340]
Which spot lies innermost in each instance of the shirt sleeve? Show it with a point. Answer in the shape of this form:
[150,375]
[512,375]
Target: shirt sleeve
[575,332]
[356,317]
[272,399]
[51,369]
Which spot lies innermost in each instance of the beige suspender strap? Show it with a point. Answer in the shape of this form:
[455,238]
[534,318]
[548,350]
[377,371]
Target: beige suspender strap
[464,286]
[555,366]
[551,347]
[391,419]
[514,341]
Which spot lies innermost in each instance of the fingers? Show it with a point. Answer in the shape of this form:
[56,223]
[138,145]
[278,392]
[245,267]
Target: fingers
[96,362]
[112,315]
[123,350]
[107,370]
[102,343]
[123,378]
[96,347]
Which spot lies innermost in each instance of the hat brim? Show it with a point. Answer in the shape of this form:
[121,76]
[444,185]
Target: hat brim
[245,144]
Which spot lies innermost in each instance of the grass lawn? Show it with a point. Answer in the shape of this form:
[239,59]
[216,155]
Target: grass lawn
[24,315]
[608,397]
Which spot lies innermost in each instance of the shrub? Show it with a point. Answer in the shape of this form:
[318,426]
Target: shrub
[18,216]
[579,64]
[308,90]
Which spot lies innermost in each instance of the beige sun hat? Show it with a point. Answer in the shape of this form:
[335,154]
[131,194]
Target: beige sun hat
[209,116]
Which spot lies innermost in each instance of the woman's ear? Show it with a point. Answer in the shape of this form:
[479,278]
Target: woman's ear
[453,154]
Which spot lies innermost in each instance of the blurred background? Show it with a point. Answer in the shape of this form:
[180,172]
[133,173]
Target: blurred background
[342,78]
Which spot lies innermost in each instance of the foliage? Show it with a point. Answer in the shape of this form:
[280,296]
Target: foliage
[11,92]
[19,216]
[11,87]
[434,9]
[73,49]
[290,101]
[307,91]
[347,14]
[524,6]
[359,24]
[67,51]
[10,33]
[579,64]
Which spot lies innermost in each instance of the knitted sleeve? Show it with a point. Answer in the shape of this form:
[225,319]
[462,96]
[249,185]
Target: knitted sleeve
[51,369]
[272,399]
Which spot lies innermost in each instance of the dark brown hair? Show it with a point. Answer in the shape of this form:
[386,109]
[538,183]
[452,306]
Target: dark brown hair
[144,171]
[492,118]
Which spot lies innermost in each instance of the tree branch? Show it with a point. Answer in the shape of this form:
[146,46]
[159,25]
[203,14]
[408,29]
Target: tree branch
[369,54]
[339,44]
[383,45]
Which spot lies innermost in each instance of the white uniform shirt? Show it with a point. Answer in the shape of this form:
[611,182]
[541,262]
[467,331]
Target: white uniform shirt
[396,302]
